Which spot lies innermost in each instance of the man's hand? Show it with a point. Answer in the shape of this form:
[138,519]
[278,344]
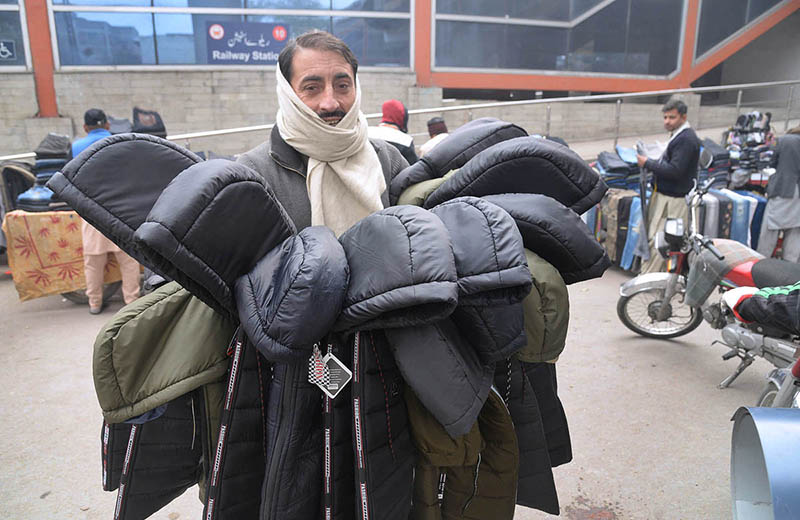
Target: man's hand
[641,159]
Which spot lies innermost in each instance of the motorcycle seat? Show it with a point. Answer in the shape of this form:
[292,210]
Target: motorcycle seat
[772,272]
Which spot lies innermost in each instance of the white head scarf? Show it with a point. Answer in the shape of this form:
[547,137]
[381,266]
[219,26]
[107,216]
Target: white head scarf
[344,178]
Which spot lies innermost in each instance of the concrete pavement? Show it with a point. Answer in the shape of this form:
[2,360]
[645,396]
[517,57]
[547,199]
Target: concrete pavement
[650,430]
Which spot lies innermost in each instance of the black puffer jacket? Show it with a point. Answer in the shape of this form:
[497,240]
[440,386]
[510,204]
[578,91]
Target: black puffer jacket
[526,165]
[442,363]
[557,234]
[452,153]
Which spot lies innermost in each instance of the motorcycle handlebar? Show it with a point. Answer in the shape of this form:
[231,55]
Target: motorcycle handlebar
[714,251]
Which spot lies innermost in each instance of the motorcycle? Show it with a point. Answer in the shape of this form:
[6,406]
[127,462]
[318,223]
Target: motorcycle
[673,303]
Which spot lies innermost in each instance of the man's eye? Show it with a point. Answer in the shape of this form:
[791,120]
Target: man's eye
[310,88]
[344,86]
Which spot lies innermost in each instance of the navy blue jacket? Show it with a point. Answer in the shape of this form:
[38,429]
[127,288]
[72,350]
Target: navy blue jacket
[676,171]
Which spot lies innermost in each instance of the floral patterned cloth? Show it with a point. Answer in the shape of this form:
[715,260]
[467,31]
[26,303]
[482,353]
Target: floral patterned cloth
[45,253]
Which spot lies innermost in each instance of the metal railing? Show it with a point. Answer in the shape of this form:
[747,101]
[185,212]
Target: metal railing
[548,103]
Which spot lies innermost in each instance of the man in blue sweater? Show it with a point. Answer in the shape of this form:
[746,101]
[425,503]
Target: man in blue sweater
[673,177]
[95,124]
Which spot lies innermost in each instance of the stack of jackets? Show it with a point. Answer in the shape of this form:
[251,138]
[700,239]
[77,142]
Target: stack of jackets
[617,170]
[296,375]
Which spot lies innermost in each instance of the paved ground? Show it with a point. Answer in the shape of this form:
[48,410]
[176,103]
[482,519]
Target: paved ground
[650,430]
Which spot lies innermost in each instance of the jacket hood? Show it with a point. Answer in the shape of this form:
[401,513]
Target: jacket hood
[460,146]
[402,271]
[526,165]
[114,183]
[294,294]
[487,247]
[189,235]
[556,234]
[162,346]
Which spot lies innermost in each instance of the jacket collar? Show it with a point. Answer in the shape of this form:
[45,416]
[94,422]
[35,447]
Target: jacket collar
[285,154]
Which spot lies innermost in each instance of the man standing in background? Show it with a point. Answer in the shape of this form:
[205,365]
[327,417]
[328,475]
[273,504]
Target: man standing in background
[394,129]
[783,207]
[437,129]
[96,246]
[674,174]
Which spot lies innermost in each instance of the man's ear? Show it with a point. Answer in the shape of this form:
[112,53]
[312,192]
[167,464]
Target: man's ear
[107,126]
[86,128]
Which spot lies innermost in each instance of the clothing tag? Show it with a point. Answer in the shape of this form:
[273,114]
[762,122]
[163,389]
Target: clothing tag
[328,373]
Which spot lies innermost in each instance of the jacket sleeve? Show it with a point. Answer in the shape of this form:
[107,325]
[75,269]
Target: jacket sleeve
[676,166]
[778,307]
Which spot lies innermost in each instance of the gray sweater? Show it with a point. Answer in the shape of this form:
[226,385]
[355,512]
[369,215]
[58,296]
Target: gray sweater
[284,169]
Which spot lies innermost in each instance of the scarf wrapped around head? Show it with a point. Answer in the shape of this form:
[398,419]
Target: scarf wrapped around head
[344,178]
[395,113]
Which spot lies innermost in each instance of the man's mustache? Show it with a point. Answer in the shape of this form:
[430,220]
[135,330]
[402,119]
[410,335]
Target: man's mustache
[337,113]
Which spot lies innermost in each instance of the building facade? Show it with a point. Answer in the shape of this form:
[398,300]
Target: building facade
[208,63]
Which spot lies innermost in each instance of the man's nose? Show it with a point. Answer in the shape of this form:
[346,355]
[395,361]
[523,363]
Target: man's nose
[328,102]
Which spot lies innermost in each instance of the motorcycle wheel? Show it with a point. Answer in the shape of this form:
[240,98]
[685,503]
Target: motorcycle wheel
[767,397]
[80,297]
[638,311]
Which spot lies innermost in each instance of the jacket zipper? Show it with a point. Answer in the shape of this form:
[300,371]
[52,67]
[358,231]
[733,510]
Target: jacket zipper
[358,423]
[328,453]
[126,472]
[271,480]
[236,346]
[106,458]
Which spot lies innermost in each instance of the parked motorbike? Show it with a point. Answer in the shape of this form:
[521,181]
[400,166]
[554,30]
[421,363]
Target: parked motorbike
[675,302]
[747,341]
[654,304]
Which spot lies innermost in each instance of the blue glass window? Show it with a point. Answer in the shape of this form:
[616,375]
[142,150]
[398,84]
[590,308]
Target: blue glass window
[645,39]
[718,20]
[137,3]
[553,10]
[289,4]
[105,38]
[297,25]
[235,4]
[181,38]
[758,7]
[378,42]
[465,44]
[392,6]
[12,48]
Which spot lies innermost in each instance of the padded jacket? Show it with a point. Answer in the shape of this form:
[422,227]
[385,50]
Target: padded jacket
[460,146]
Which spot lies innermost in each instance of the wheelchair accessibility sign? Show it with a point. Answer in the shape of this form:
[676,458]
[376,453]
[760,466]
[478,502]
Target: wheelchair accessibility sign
[7,51]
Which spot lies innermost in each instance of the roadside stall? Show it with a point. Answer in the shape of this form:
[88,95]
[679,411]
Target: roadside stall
[45,254]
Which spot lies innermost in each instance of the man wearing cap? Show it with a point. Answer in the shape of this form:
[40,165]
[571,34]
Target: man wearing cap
[393,129]
[318,160]
[437,129]
[96,246]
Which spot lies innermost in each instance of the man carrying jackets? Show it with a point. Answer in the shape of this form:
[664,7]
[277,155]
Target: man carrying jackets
[673,177]
[319,160]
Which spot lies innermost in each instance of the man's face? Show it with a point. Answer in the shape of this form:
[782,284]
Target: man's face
[324,81]
[673,120]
